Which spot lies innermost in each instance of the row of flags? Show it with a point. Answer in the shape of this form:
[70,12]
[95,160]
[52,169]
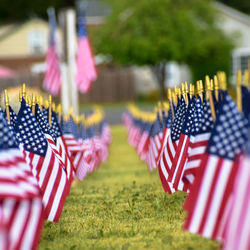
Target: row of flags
[200,144]
[86,71]
[41,153]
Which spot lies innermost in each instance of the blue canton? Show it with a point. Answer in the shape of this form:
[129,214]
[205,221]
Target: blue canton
[189,118]
[246,103]
[156,127]
[198,117]
[7,136]
[55,128]
[178,120]
[207,122]
[43,123]
[230,133]
[28,130]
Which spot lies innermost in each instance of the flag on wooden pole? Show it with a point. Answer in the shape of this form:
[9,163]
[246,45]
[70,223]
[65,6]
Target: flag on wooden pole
[85,64]
[52,81]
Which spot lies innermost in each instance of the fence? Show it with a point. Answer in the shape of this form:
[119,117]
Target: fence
[112,85]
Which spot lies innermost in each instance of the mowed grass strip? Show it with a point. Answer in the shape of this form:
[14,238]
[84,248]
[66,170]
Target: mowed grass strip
[121,206]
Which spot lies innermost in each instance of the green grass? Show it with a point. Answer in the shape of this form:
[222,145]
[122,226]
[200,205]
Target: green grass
[121,206]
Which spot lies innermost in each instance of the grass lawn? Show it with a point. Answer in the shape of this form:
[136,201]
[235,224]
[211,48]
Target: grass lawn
[121,206]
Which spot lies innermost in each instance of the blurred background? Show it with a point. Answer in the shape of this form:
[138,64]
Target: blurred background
[141,47]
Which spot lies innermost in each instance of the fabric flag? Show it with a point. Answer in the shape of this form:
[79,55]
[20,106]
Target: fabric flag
[52,80]
[85,64]
[167,122]
[143,145]
[237,234]
[155,143]
[21,208]
[200,135]
[59,146]
[73,145]
[169,151]
[208,198]
[181,152]
[46,167]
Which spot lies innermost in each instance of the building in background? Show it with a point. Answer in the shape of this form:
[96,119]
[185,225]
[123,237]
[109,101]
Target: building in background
[237,25]
[23,47]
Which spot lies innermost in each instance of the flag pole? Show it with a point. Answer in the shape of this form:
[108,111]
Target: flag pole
[71,54]
[33,104]
[7,104]
[50,111]
[238,91]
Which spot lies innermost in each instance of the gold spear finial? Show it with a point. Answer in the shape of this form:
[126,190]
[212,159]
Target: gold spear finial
[7,104]
[33,104]
[238,91]
[50,111]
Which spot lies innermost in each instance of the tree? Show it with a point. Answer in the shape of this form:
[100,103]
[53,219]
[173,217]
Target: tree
[242,5]
[152,32]
[22,9]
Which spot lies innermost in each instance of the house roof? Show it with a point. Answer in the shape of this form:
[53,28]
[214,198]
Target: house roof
[233,13]
[8,29]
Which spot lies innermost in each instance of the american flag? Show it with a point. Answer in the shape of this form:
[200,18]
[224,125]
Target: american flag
[155,143]
[21,208]
[200,135]
[73,145]
[181,152]
[46,167]
[213,184]
[144,141]
[86,70]
[169,151]
[167,122]
[52,80]
[237,235]
[166,125]
[58,144]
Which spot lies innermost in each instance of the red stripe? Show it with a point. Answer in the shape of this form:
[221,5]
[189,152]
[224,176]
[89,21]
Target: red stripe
[210,196]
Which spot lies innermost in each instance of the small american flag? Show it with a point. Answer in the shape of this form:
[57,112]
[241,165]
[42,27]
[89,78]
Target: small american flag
[144,141]
[155,143]
[52,80]
[86,70]
[169,151]
[46,167]
[181,153]
[237,235]
[200,135]
[21,208]
[167,123]
[58,144]
[213,184]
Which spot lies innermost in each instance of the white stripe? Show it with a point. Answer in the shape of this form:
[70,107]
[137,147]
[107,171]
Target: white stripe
[18,223]
[31,229]
[203,194]
[58,196]
[197,150]
[180,157]
[192,164]
[44,167]
[217,197]
[171,146]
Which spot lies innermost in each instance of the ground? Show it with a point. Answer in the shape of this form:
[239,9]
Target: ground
[122,206]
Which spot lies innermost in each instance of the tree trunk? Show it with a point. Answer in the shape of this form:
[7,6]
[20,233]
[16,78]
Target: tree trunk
[160,72]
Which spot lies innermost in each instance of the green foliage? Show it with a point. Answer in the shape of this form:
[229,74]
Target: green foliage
[242,5]
[151,31]
[121,206]
[23,9]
